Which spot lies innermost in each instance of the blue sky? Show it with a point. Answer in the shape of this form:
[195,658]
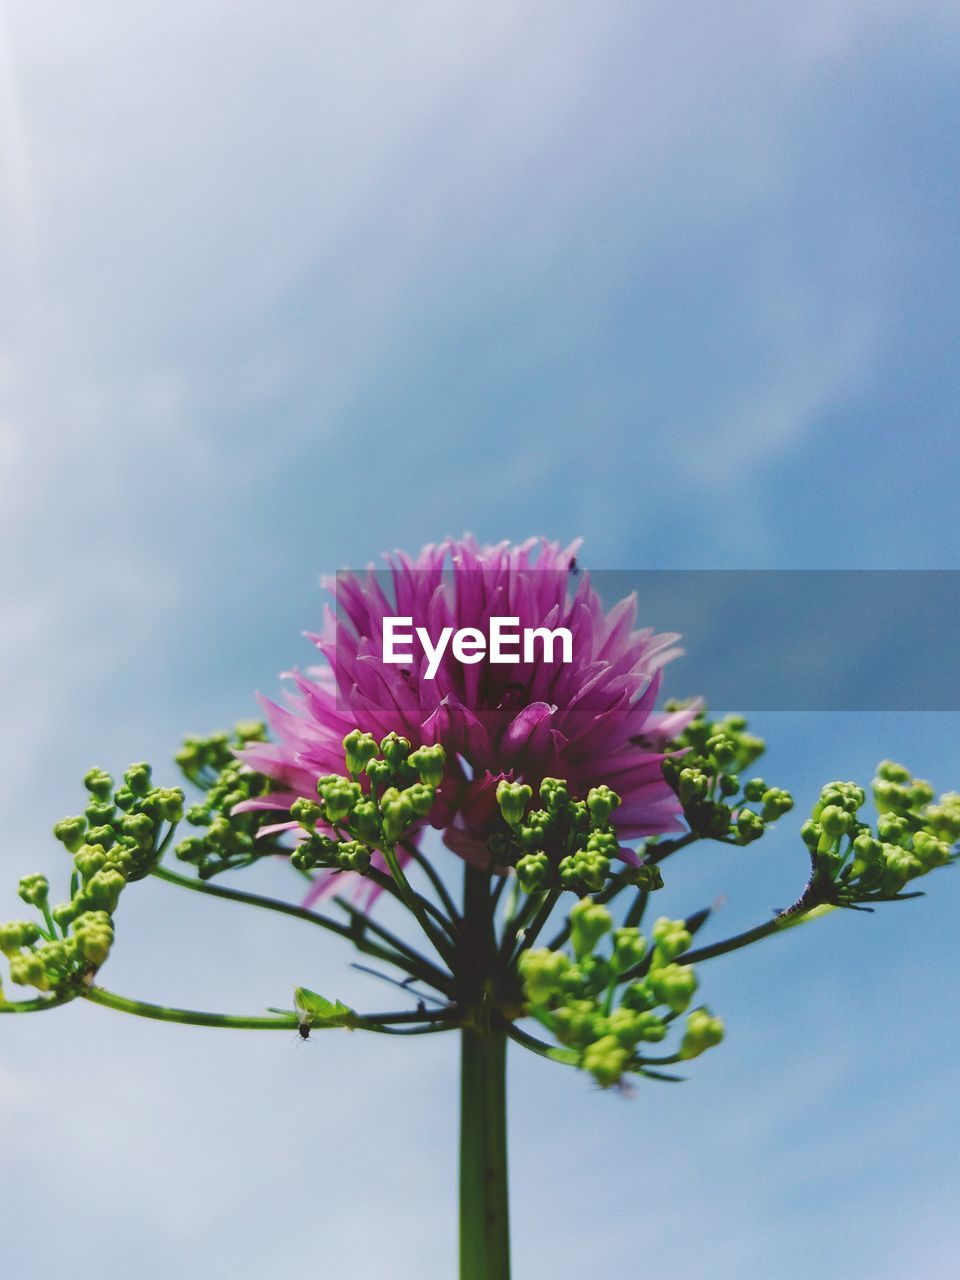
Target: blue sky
[284,285]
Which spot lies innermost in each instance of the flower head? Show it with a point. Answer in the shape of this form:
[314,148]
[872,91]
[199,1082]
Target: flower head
[589,720]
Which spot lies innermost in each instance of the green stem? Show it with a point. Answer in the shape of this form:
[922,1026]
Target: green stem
[417,906]
[192,1017]
[413,1020]
[38,1004]
[389,885]
[777,925]
[528,935]
[484,1207]
[434,877]
[569,1057]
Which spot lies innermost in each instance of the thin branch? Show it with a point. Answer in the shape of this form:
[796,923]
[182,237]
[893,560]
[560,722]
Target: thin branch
[433,876]
[403,957]
[568,1057]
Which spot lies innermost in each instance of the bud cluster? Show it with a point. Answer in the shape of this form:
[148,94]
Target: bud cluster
[705,775]
[226,840]
[115,840]
[387,791]
[605,1005]
[566,843]
[854,862]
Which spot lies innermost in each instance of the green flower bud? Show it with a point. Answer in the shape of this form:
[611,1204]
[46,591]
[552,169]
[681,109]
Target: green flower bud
[835,822]
[576,1023]
[120,859]
[167,802]
[542,972]
[89,859]
[693,785]
[867,850]
[69,831]
[28,970]
[604,842]
[137,779]
[702,1033]
[629,948]
[755,790]
[891,772]
[722,748]
[601,802]
[98,783]
[648,876]
[810,834]
[638,996]
[397,813]
[64,913]
[892,829]
[673,985]
[35,890]
[671,938]
[94,934]
[339,797]
[750,748]
[192,850]
[943,819]
[589,921]
[776,802]
[890,796]
[304,856]
[139,827]
[365,821]
[920,793]
[379,773]
[584,867]
[728,784]
[554,795]
[103,889]
[532,871]
[16,934]
[58,957]
[513,799]
[900,866]
[749,825]
[605,1060]
[535,831]
[421,798]
[354,856]
[360,748]
[250,731]
[306,813]
[395,750]
[931,851]
[100,812]
[125,799]
[430,763]
[631,1026]
[104,836]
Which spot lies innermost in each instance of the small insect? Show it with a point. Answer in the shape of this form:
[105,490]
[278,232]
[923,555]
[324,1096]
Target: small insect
[303,1030]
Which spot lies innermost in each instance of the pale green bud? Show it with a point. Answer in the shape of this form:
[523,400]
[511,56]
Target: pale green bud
[605,1060]
[702,1033]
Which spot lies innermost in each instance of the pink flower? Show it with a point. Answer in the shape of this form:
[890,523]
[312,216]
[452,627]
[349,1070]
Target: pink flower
[591,720]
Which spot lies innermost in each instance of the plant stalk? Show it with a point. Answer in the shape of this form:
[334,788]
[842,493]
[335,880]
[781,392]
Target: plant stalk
[484,1199]
[484,1207]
